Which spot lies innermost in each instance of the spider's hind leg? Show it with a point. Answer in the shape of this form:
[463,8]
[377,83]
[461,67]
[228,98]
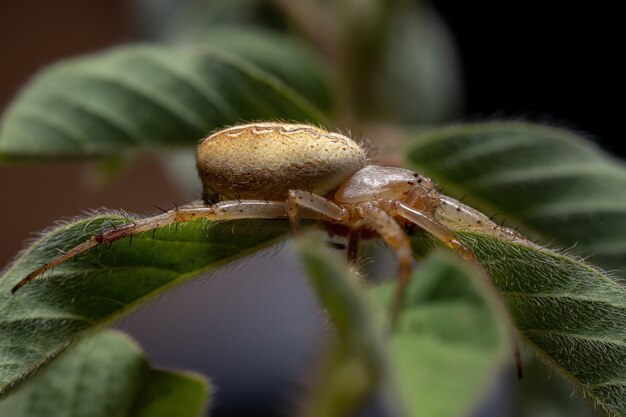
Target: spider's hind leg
[228,210]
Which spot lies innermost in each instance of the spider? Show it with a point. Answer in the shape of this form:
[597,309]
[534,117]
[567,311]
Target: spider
[299,171]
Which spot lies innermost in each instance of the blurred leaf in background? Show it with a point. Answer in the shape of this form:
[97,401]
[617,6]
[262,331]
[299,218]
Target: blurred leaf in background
[107,375]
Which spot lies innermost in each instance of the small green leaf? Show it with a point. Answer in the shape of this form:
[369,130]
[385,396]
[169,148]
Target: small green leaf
[549,181]
[442,357]
[146,97]
[169,394]
[450,342]
[40,320]
[356,363]
[107,375]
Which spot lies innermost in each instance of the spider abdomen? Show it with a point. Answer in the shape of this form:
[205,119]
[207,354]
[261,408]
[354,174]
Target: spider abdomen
[266,160]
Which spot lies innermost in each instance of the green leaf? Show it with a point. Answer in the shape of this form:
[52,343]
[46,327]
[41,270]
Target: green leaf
[356,363]
[423,87]
[107,375]
[558,186]
[147,97]
[442,357]
[197,16]
[570,313]
[169,394]
[286,57]
[550,181]
[450,343]
[41,319]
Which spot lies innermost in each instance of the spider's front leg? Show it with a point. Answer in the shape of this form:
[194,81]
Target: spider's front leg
[390,231]
[428,222]
[227,210]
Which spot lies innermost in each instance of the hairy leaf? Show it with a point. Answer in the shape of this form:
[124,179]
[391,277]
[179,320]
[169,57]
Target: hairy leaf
[549,181]
[566,191]
[40,320]
[447,347]
[107,375]
[146,97]
[571,313]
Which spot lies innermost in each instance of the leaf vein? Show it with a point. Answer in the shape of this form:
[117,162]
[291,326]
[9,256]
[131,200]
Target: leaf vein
[138,89]
[210,95]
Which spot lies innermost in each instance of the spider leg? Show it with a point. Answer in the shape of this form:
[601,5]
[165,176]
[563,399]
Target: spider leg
[432,226]
[228,210]
[314,203]
[447,236]
[391,232]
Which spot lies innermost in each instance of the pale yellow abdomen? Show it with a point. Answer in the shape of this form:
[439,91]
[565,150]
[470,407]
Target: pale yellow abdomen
[266,160]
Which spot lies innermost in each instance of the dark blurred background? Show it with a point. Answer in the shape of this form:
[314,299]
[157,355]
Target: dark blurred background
[530,60]
[548,61]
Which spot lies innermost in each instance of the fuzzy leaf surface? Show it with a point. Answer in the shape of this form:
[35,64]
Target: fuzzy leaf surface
[551,182]
[107,375]
[571,313]
[561,188]
[43,318]
[148,97]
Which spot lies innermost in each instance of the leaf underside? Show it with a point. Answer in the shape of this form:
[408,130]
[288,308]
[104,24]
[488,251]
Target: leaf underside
[107,375]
